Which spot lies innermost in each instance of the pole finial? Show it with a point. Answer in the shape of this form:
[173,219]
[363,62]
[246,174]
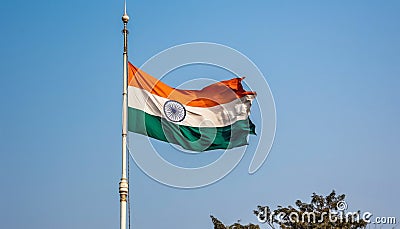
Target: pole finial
[125,17]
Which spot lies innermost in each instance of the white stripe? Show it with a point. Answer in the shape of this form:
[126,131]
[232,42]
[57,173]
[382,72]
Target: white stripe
[216,116]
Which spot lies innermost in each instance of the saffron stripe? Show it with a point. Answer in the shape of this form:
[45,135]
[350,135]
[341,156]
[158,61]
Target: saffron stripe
[212,95]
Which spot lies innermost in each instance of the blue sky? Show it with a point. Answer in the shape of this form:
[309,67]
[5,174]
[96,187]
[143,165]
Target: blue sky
[333,68]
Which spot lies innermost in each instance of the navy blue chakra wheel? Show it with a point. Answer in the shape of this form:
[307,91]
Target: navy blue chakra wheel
[174,111]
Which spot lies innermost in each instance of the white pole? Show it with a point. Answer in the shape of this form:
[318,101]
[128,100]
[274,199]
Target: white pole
[123,184]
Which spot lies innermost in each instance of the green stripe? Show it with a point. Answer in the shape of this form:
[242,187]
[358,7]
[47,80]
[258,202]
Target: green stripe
[191,138]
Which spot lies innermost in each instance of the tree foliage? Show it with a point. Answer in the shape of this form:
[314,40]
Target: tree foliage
[325,212]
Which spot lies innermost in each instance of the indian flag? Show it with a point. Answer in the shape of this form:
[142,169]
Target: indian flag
[215,117]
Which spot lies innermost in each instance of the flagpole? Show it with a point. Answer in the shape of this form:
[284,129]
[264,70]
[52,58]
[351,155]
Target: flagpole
[123,184]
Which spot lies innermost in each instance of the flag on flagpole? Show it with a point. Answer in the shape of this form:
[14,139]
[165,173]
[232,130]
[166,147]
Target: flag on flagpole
[215,117]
